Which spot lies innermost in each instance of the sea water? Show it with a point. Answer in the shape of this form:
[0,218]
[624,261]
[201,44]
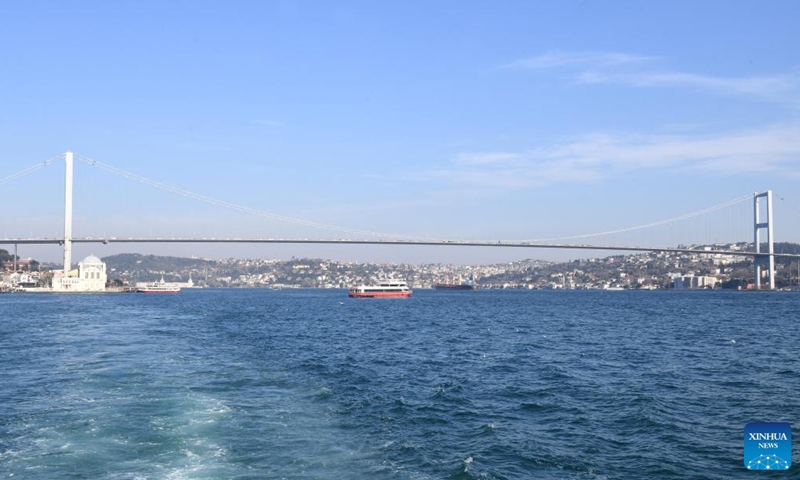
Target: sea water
[309,384]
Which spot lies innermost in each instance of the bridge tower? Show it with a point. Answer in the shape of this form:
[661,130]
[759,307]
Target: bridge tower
[68,215]
[767,260]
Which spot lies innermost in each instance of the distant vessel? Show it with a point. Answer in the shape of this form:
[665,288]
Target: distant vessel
[460,285]
[384,289]
[158,287]
[453,286]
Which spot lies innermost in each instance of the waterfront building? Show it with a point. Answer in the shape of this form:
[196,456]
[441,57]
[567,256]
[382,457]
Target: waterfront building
[692,282]
[90,276]
[27,265]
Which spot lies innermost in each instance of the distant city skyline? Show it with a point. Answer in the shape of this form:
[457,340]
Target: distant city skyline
[449,120]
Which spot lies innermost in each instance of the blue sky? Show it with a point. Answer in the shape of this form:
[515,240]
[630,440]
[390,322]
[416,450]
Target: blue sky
[463,120]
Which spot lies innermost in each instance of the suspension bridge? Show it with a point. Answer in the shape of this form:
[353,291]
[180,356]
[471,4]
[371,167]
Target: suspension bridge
[762,228]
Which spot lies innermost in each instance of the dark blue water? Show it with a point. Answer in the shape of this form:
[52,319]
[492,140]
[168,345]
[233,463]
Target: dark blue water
[253,384]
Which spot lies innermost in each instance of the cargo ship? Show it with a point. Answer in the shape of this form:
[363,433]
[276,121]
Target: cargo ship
[460,285]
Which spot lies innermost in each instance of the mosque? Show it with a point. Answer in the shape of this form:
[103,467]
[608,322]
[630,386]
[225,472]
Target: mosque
[90,276]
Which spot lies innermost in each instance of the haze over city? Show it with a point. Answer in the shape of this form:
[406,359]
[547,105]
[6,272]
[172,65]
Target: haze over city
[445,120]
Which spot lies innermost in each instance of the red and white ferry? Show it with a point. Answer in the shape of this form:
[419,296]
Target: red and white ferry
[384,289]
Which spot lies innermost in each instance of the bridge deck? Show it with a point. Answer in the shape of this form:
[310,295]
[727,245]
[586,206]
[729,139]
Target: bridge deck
[442,243]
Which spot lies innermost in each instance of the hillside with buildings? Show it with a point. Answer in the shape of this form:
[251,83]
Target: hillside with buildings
[652,270]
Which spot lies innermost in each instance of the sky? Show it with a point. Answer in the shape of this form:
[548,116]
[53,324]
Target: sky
[464,120]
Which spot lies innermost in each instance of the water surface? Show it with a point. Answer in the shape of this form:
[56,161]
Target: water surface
[308,384]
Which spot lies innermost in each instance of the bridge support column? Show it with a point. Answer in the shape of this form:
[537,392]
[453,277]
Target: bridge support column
[68,215]
[767,260]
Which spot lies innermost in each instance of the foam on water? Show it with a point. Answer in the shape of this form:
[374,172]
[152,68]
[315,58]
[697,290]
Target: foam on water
[119,397]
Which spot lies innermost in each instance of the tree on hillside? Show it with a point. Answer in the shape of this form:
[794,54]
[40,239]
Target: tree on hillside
[6,257]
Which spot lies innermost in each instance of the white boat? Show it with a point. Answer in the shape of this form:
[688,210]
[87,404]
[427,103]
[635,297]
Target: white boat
[158,287]
[384,289]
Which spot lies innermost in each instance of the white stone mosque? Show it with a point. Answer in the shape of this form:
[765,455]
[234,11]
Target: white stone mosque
[90,276]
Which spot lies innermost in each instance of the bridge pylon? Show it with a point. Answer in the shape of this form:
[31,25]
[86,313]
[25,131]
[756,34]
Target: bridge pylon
[767,260]
[68,214]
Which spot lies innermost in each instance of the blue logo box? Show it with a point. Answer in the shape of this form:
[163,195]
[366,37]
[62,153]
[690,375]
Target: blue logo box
[767,446]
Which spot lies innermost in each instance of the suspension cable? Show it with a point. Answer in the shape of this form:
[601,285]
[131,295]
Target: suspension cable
[308,223]
[649,225]
[233,206]
[31,169]
[788,203]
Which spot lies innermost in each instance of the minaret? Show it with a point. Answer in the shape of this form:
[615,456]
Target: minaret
[68,215]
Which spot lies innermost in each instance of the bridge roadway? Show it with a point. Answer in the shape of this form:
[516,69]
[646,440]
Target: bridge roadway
[438,243]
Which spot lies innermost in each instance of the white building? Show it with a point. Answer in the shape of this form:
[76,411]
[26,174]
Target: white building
[90,276]
[692,282]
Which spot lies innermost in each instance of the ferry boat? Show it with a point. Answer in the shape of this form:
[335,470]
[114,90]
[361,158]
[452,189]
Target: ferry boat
[158,287]
[384,289]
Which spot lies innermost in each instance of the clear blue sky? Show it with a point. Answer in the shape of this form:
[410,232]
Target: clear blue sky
[463,120]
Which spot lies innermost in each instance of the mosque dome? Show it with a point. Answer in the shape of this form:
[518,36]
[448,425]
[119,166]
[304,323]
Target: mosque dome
[92,260]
